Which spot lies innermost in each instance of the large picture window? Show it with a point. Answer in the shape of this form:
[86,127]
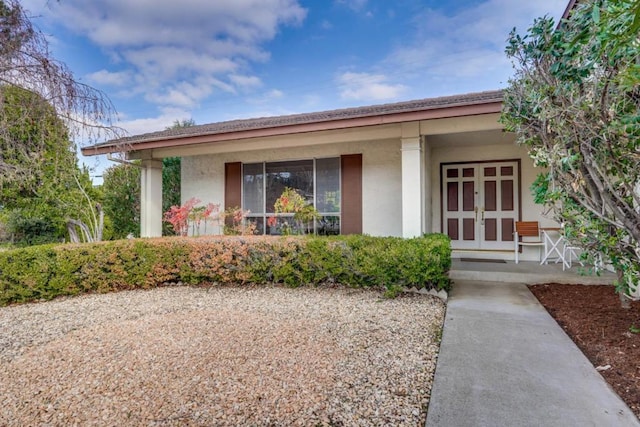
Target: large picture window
[316,180]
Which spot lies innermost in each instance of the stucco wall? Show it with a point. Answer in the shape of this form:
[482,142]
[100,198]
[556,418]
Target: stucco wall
[203,177]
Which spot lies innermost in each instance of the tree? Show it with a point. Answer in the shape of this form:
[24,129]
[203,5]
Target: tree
[121,187]
[171,177]
[170,185]
[26,63]
[574,102]
[38,207]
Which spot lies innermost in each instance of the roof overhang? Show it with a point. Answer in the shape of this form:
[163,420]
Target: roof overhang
[488,106]
[567,11]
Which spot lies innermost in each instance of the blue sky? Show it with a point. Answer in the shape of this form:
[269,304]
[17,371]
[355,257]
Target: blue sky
[216,60]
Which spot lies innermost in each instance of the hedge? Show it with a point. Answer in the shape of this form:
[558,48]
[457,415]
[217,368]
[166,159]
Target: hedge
[44,272]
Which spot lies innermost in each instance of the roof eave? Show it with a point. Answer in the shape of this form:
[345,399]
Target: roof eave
[567,11]
[486,107]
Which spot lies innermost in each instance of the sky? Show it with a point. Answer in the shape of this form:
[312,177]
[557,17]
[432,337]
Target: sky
[216,60]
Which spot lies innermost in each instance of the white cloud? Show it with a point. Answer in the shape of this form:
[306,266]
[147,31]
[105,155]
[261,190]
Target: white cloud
[275,94]
[266,97]
[245,82]
[142,22]
[187,93]
[454,52]
[176,53]
[152,124]
[108,78]
[368,87]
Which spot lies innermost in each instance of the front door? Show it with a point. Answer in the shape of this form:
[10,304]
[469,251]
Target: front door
[480,204]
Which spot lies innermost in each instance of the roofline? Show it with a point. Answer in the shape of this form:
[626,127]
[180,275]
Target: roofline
[458,110]
[567,11]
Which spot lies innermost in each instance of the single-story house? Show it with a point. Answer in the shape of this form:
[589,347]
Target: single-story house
[431,165]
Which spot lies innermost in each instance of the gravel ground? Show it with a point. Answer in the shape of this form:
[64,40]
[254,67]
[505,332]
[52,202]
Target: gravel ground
[220,356]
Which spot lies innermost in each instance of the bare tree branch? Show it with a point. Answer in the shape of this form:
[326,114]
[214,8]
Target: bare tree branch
[27,63]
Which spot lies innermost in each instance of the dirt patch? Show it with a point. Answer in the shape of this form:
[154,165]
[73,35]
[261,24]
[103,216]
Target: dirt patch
[594,319]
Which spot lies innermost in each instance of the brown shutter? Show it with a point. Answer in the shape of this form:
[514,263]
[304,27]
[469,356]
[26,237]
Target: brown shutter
[232,185]
[351,166]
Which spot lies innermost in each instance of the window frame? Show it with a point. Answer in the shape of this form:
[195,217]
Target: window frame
[262,217]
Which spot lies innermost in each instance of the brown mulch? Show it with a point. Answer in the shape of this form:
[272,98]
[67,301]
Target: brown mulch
[605,332]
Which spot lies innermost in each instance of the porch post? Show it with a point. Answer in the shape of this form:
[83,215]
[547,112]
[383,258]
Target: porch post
[151,198]
[427,194]
[412,181]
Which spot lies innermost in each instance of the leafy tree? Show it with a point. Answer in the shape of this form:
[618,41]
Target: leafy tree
[121,187]
[26,63]
[171,178]
[574,102]
[38,207]
[170,185]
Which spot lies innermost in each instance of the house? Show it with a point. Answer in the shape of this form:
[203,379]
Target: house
[431,165]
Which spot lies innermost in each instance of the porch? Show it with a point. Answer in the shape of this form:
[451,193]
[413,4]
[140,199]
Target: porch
[528,272]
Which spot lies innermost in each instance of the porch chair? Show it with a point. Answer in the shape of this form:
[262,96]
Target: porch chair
[529,230]
[569,252]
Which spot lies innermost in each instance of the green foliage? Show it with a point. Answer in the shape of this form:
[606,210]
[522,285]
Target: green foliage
[28,230]
[52,189]
[170,188]
[44,272]
[171,181]
[121,188]
[574,103]
[44,148]
[36,92]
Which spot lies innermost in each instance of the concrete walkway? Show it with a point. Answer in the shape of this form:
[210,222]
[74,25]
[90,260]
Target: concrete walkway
[504,361]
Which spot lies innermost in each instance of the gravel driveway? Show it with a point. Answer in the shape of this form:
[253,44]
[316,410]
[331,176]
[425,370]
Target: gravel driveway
[220,356]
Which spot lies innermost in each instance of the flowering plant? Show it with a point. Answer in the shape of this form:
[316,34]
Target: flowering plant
[235,222]
[290,201]
[182,217]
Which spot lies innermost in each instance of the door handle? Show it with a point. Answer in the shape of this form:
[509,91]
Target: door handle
[476,211]
[482,216]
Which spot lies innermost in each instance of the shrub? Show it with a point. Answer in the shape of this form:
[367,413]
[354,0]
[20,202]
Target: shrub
[48,271]
[27,230]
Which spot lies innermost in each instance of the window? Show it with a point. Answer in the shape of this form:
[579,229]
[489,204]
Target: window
[317,180]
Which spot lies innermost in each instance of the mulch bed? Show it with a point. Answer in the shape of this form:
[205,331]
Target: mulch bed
[605,332]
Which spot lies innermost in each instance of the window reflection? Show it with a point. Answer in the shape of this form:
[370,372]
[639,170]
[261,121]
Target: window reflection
[318,181]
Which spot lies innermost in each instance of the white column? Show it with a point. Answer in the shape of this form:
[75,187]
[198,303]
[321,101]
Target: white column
[427,193]
[412,183]
[151,198]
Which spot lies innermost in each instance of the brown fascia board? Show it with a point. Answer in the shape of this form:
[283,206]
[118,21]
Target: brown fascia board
[470,109]
[567,11]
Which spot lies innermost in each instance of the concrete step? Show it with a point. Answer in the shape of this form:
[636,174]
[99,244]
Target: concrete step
[528,273]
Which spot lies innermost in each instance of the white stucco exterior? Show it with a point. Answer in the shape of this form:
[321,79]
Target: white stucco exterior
[401,183]
[151,198]
[402,187]
[203,177]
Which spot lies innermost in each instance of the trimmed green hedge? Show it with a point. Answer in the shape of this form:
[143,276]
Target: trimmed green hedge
[44,272]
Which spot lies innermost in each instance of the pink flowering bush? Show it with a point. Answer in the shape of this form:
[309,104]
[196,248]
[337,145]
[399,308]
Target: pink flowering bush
[192,216]
[235,222]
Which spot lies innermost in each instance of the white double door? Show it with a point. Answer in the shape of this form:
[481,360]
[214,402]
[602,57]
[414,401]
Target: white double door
[480,204]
